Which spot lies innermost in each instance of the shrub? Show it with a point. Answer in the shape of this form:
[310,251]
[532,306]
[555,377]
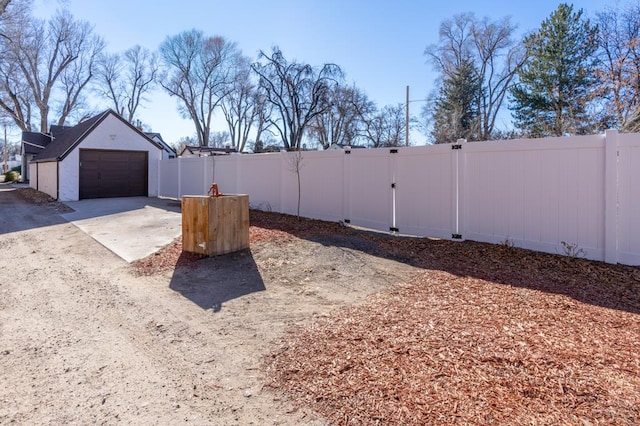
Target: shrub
[11,176]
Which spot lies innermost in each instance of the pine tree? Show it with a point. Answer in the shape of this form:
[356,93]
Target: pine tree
[456,108]
[556,83]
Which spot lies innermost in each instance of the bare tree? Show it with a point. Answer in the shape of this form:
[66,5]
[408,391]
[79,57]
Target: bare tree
[244,108]
[47,61]
[125,79]
[73,81]
[495,56]
[342,122]
[199,72]
[386,127]
[619,70]
[219,139]
[263,109]
[298,93]
[10,9]
[295,162]
[16,100]
[3,5]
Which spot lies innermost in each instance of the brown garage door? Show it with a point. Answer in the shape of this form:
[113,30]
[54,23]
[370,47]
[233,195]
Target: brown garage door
[105,174]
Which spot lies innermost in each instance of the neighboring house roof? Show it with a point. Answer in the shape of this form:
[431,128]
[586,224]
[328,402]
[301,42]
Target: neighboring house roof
[34,142]
[55,129]
[67,138]
[343,146]
[205,150]
[157,137]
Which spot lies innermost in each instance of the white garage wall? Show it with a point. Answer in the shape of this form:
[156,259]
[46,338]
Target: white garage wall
[33,175]
[48,178]
[111,134]
[44,177]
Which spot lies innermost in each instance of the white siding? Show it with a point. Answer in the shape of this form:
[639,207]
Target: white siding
[47,178]
[33,175]
[111,134]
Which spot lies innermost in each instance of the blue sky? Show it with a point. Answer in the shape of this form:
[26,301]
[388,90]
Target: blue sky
[379,44]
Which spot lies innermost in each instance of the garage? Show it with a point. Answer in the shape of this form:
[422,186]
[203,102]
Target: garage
[111,173]
[102,157]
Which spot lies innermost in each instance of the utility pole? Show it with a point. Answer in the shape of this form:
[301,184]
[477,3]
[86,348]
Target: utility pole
[406,120]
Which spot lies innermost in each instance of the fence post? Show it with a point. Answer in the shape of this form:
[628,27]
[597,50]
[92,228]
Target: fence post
[346,186]
[611,196]
[283,179]
[457,169]
[179,178]
[158,193]
[393,167]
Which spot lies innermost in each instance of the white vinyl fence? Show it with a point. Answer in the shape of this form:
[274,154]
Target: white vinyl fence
[541,194]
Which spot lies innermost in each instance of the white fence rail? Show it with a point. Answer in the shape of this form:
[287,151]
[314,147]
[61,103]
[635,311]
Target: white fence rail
[537,194]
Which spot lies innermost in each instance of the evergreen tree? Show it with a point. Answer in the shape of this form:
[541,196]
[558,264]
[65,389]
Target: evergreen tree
[456,108]
[556,84]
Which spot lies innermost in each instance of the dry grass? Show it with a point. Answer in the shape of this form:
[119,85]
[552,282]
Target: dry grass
[37,197]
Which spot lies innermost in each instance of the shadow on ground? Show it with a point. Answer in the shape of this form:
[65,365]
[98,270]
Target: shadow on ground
[17,214]
[595,283]
[217,279]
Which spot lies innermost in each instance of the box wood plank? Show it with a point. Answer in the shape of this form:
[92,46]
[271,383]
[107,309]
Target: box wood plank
[215,225]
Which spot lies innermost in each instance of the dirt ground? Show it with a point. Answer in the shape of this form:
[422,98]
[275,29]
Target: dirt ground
[85,338]
[316,324]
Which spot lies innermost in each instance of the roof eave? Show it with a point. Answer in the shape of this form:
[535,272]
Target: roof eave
[45,160]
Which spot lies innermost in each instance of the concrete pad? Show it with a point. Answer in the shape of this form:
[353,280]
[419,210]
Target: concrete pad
[131,227]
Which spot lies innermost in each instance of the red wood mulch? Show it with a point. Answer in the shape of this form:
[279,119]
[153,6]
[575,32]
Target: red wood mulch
[485,334]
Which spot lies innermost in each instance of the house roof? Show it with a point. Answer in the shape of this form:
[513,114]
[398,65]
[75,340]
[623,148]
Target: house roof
[55,129]
[344,146]
[65,139]
[34,142]
[157,137]
[206,150]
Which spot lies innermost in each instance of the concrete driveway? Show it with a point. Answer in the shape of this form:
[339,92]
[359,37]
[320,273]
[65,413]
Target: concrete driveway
[131,227]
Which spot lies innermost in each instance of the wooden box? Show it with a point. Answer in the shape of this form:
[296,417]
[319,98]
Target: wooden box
[215,225]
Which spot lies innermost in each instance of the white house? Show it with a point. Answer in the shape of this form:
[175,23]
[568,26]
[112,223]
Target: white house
[167,151]
[102,157]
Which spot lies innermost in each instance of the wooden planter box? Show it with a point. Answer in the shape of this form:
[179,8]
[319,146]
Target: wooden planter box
[215,225]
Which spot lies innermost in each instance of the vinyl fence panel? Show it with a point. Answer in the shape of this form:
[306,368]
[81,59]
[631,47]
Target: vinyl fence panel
[368,188]
[570,195]
[169,178]
[628,231]
[425,191]
[537,193]
[322,183]
[196,174]
[260,176]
